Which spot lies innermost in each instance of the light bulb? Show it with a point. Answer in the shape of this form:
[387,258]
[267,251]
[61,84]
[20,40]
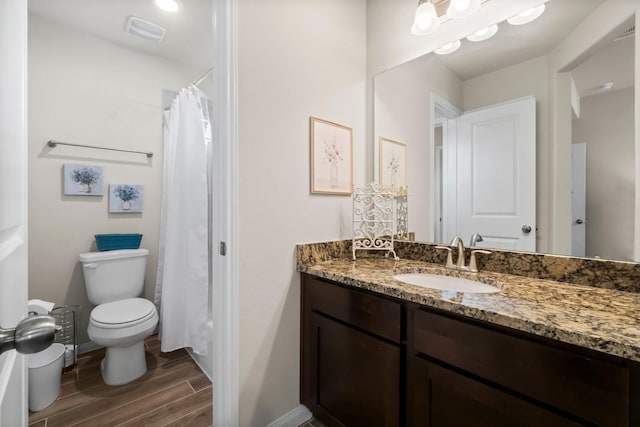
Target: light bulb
[426,20]
[527,16]
[448,48]
[483,34]
[169,5]
[526,13]
[461,5]
[462,8]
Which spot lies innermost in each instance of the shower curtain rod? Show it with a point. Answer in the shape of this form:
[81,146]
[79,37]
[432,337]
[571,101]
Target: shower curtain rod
[204,76]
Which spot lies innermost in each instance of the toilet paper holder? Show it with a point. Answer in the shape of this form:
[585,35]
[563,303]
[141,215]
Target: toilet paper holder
[67,318]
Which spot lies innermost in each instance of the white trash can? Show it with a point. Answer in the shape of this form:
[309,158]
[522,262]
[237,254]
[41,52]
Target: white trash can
[45,370]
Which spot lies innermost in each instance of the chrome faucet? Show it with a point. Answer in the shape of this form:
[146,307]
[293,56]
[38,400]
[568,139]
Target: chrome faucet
[456,242]
[475,238]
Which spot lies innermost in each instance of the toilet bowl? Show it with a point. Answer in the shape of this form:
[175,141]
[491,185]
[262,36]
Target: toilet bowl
[121,320]
[121,327]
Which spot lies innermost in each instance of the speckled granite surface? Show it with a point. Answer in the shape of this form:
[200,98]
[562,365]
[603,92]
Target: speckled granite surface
[606,320]
[619,275]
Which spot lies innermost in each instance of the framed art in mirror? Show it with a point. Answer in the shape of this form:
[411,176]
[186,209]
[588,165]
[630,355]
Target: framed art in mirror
[393,164]
[331,157]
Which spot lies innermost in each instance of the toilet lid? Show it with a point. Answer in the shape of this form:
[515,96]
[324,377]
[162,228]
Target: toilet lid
[116,313]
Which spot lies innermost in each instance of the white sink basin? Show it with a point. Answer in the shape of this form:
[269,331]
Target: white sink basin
[446,283]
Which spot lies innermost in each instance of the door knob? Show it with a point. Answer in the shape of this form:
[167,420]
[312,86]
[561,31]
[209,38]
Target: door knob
[31,335]
[526,229]
[579,221]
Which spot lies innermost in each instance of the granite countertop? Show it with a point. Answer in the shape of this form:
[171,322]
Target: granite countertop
[600,319]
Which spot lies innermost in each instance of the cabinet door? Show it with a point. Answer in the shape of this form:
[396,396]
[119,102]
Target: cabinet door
[357,376]
[440,397]
[573,382]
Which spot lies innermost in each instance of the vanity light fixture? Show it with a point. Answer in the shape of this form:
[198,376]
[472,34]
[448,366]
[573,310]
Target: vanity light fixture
[448,48]
[169,5]
[483,34]
[426,19]
[527,16]
[462,8]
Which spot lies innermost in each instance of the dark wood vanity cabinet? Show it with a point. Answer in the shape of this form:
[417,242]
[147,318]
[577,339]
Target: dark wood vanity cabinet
[443,397]
[477,374]
[351,356]
[369,360]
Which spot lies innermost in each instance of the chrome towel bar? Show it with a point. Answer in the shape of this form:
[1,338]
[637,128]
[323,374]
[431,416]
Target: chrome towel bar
[52,144]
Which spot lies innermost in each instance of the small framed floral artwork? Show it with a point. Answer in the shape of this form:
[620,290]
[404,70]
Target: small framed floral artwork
[124,198]
[331,157]
[82,180]
[393,164]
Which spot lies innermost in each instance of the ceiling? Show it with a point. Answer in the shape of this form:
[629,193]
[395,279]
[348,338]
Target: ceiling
[515,44]
[189,37]
[598,69]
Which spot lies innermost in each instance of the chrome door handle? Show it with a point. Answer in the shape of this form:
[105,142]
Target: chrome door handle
[31,335]
[526,229]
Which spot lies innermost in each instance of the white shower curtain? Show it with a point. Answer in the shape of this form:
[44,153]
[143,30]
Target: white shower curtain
[183,252]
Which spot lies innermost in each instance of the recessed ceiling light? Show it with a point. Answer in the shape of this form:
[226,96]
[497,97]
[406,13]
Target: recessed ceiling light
[448,48]
[606,86]
[169,5]
[484,34]
[527,16]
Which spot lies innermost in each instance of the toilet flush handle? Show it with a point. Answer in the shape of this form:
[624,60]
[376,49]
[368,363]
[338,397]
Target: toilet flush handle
[91,265]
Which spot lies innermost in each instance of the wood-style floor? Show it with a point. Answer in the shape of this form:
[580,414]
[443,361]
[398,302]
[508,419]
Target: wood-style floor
[173,392]
[312,423]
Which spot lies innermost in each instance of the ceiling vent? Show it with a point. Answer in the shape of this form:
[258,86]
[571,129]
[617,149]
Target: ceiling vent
[628,33]
[145,29]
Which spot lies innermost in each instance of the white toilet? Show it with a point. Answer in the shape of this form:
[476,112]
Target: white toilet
[120,322]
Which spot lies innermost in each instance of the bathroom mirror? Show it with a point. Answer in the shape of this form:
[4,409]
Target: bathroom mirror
[560,61]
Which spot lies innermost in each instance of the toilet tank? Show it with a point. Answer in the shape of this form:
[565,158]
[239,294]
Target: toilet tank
[114,275]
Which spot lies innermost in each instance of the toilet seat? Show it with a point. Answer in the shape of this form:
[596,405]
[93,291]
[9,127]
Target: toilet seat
[123,313]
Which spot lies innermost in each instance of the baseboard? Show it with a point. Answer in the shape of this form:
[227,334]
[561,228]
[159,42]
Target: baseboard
[88,346]
[200,362]
[294,418]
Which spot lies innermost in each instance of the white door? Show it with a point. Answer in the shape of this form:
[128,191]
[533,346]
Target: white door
[496,167]
[578,198]
[13,204]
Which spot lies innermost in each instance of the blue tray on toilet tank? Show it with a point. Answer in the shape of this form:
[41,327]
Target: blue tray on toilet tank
[112,242]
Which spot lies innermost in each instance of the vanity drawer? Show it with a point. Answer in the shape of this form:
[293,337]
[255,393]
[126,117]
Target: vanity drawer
[373,314]
[591,389]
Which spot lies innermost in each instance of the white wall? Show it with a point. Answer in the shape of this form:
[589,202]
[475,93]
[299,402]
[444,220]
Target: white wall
[296,59]
[85,90]
[401,106]
[526,78]
[606,125]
